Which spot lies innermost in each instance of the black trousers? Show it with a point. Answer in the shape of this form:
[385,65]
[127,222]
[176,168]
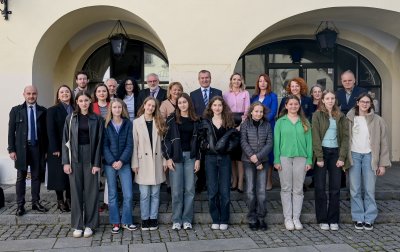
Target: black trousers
[33,160]
[328,213]
[84,191]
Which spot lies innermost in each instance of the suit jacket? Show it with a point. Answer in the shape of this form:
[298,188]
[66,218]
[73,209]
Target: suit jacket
[148,159]
[18,133]
[198,102]
[56,115]
[143,94]
[341,97]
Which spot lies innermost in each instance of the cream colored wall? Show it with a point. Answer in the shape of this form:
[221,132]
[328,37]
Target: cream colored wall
[42,42]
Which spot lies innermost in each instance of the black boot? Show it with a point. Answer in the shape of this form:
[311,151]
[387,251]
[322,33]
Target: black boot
[61,206]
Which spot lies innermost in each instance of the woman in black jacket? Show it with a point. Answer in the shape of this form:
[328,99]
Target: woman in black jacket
[56,115]
[256,141]
[181,151]
[81,157]
[218,132]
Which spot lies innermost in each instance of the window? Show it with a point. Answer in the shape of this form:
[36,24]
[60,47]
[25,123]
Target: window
[285,60]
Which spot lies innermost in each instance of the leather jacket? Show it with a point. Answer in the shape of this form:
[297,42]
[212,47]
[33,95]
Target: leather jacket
[208,139]
[96,127]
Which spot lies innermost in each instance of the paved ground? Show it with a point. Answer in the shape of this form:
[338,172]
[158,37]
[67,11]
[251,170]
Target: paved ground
[51,232]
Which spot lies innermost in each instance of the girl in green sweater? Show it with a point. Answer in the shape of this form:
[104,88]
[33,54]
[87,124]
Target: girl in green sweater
[293,158]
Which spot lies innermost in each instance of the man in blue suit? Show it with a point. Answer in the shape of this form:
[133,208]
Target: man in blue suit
[203,95]
[347,95]
[200,98]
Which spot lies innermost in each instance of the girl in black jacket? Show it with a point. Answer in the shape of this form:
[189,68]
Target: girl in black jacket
[218,130]
[256,141]
[181,151]
[81,157]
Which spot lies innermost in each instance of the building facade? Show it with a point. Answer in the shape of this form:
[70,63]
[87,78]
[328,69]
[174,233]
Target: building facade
[45,42]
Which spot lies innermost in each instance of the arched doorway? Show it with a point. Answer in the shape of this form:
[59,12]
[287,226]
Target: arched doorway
[284,60]
[139,60]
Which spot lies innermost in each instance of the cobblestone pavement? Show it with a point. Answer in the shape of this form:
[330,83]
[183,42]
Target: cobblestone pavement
[384,237]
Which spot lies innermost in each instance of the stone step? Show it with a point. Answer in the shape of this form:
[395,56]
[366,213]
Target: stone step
[389,212]
[274,194]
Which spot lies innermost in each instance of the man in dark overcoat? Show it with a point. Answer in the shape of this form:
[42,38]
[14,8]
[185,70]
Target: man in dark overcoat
[27,145]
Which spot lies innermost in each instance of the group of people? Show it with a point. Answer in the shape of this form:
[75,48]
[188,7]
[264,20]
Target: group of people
[221,141]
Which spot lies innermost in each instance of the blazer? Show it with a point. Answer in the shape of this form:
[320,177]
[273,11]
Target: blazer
[118,146]
[55,125]
[18,134]
[96,127]
[271,102]
[96,108]
[306,105]
[143,94]
[149,160]
[341,98]
[198,102]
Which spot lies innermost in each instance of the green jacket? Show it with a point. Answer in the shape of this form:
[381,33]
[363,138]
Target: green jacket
[290,140]
[320,123]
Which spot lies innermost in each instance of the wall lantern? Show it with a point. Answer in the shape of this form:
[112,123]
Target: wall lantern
[5,11]
[326,35]
[118,39]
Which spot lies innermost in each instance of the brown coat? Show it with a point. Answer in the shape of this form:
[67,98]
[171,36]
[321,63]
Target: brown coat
[149,160]
[377,136]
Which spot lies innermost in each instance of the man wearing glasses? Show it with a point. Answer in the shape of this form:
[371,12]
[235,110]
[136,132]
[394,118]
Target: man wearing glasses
[154,90]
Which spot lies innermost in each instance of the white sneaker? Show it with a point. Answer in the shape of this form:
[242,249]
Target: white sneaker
[215,226]
[223,226]
[289,224]
[77,233]
[88,232]
[334,227]
[176,226]
[297,224]
[187,225]
[324,226]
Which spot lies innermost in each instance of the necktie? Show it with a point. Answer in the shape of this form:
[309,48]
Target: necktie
[33,126]
[205,97]
[152,93]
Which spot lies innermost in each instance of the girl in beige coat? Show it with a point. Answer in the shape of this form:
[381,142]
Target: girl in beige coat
[147,160]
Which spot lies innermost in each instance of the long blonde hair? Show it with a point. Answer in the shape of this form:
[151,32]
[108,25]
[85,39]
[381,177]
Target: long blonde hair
[158,119]
[109,115]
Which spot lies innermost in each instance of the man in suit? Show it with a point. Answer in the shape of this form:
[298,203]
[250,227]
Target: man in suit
[200,98]
[27,145]
[154,90]
[347,95]
[82,80]
[346,98]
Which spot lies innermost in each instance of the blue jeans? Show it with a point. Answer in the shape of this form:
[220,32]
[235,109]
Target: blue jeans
[362,178]
[149,201]
[218,174]
[182,188]
[125,177]
[255,190]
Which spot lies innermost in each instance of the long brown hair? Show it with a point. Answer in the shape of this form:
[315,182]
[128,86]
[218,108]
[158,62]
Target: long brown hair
[269,86]
[109,115]
[227,118]
[300,113]
[357,108]
[191,112]
[255,104]
[95,89]
[77,108]
[71,99]
[158,119]
[335,110]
